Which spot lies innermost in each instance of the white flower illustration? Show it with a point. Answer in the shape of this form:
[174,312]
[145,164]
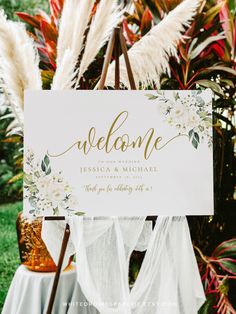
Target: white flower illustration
[47,193]
[178,110]
[42,184]
[72,202]
[194,119]
[187,112]
[56,193]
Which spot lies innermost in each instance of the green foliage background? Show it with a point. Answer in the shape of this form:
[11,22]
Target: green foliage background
[8,168]
[29,6]
[9,260]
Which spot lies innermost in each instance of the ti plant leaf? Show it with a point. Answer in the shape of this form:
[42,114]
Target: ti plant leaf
[210,84]
[199,48]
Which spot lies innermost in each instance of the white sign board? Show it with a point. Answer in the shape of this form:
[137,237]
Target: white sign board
[125,153]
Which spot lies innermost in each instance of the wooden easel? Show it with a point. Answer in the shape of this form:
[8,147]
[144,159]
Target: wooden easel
[116,43]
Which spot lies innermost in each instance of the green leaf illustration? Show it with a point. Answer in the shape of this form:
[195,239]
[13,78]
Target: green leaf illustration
[45,165]
[55,211]
[194,138]
[28,179]
[48,171]
[32,201]
[79,213]
[190,134]
[46,160]
[151,96]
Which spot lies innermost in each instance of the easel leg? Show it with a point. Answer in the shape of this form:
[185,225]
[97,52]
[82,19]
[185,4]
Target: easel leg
[117,41]
[59,266]
[117,58]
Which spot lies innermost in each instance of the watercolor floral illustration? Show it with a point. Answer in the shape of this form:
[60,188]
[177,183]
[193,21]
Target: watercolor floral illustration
[47,192]
[189,113]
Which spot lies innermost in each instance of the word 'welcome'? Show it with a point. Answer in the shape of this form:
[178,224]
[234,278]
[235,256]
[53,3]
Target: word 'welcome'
[149,142]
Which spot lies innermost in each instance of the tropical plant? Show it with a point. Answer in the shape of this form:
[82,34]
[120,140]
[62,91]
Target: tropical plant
[67,61]
[216,271]
[10,157]
[206,58]
[45,35]
[207,51]
[61,52]
[149,56]
[203,57]
[10,164]
[11,6]
[46,30]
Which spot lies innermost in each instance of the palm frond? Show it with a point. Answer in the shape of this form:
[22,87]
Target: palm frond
[150,55]
[106,18]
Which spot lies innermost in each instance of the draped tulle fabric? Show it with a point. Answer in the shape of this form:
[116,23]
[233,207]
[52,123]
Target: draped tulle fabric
[168,281]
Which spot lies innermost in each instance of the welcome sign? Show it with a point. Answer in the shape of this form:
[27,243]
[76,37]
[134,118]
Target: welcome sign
[125,153]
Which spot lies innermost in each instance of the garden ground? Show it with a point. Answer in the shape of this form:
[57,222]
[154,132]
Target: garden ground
[9,260]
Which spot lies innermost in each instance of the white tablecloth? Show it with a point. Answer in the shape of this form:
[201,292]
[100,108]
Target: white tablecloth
[30,291]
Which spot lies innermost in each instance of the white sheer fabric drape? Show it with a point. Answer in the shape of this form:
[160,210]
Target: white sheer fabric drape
[168,281]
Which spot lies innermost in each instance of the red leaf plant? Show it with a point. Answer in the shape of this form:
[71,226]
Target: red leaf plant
[216,272]
[46,30]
